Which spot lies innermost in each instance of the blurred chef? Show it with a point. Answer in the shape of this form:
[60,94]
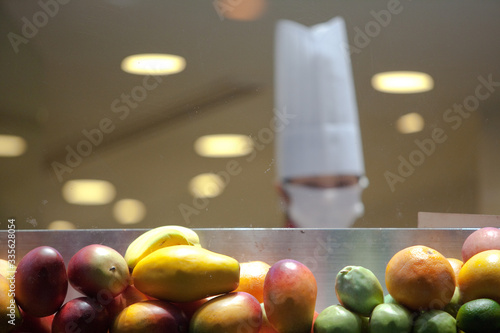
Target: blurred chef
[320,165]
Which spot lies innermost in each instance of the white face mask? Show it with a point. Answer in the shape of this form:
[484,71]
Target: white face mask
[324,207]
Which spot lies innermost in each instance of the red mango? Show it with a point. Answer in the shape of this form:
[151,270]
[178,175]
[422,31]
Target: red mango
[82,315]
[41,282]
[232,312]
[98,271]
[290,292]
[153,316]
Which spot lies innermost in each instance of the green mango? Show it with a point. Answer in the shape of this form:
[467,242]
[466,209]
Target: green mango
[435,321]
[358,289]
[337,319]
[455,303]
[391,318]
[389,299]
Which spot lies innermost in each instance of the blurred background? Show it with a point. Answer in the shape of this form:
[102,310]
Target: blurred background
[85,143]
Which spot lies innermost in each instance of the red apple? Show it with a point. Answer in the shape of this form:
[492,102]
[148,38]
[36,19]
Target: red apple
[483,239]
[99,271]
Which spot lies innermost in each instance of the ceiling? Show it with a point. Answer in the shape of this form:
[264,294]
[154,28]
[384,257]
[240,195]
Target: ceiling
[61,78]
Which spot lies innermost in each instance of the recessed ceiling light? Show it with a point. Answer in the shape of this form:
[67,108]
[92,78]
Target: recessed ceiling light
[153,64]
[206,185]
[410,123]
[223,145]
[129,211]
[61,225]
[12,145]
[88,192]
[402,82]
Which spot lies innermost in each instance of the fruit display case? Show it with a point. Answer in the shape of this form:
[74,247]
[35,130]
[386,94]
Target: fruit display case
[324,251]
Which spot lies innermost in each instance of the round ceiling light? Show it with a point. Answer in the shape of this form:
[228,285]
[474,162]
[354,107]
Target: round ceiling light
[410,123]
[153,64]
[129,211]
[61,225]
[206,185]
[402,82]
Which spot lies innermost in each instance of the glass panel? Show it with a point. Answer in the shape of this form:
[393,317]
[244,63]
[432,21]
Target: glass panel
[80,116]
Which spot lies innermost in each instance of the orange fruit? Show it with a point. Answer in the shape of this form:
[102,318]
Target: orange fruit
[456,264]
[480,277]
[420,278]
[252,276]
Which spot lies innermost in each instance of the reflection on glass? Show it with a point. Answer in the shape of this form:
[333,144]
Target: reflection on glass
[61,101]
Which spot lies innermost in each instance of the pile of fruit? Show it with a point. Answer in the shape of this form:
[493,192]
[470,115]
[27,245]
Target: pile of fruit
[167,282]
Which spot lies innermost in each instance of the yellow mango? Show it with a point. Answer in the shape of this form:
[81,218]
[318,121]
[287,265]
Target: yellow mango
[184,273]
[6,268]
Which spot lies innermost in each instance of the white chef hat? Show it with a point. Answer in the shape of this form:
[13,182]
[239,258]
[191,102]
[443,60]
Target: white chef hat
[315,89]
